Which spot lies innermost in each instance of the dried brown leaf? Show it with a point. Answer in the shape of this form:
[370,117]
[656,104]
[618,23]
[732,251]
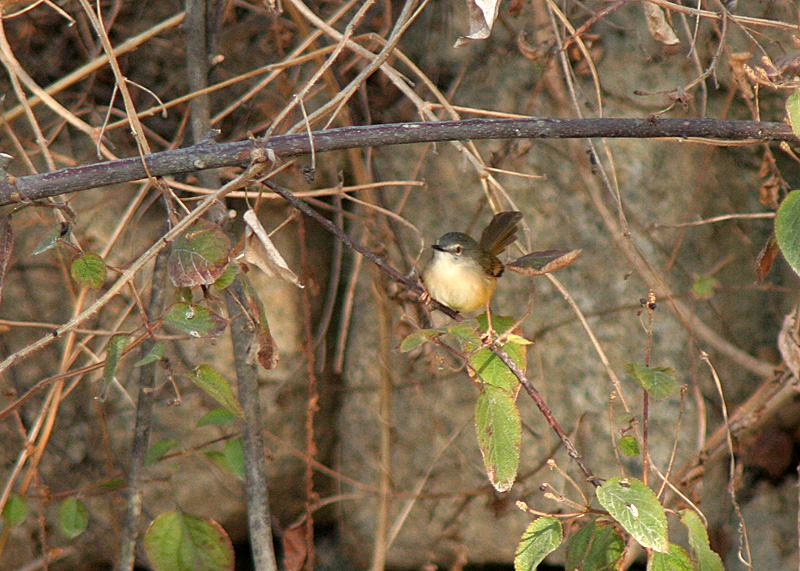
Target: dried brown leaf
[261,252]
[482,14]
[544,262]
[659,27]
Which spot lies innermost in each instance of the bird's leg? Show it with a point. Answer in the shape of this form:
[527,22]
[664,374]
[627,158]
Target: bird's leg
[488,337]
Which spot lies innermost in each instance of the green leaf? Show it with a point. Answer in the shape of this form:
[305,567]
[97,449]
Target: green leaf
[637,509]
[158,450]
[88,270]
[415,339]
[116,345]
[113,484]
[53,238]
[541,538]
[217,457]
[178,541]
[704,287]
[465,332]
[787,229]
[217,387]
[218,416]
[629,446]
[705,558]
[199,256]
[676,559]
[492,370]
[73,517]
[156,353]
[659,382]
[597,546]
[499,431]
[15,511]
[194,320]
[234,457]
[227,276]
[793,111]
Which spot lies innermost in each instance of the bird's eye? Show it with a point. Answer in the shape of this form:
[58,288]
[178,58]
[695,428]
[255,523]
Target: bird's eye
[457,249]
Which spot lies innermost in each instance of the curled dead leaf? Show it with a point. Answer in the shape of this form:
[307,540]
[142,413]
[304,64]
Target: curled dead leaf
[261,252]
[544,262]
[482,14]
[657,24]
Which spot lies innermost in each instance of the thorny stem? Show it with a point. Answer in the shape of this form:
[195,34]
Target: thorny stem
[547,413]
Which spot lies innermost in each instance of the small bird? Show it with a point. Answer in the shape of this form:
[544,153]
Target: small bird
[463,273]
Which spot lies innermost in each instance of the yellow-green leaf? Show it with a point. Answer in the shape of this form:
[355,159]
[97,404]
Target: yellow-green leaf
[659,382]
[217,387]
[787,229]
[178,541]
[705,558]
[88,270]
[194,320]
[73,517]
[597,546]
[637,509]
[499,432]
[541,538]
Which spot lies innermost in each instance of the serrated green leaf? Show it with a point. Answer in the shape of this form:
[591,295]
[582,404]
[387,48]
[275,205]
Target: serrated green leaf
[659,382]
[414,340]
[194,320]
[489,366]
[541,538]
[156,353]
[597,546]
[227,276]
[787,229]
[704,287]
[15,511]
[178,541]
[499,432]
[676,559]
[158,450]
[637,509]
[234,457]
[116,345]
[88,270]
[217,387]
[465,332]
[73,517]
[705,558]
[50,241]
[793,111]
[216,417]
[629,446]
[199,256]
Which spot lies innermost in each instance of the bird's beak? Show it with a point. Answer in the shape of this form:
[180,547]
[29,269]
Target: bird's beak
[438,248]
